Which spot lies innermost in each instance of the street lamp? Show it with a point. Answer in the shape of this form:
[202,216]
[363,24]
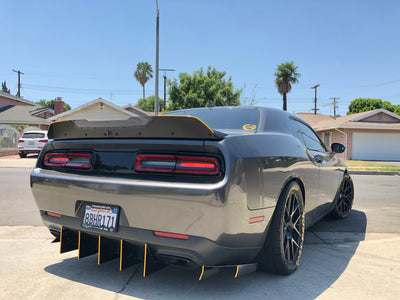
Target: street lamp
[315,99]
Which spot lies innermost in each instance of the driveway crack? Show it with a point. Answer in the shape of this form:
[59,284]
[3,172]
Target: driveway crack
[128,281]
[322,240]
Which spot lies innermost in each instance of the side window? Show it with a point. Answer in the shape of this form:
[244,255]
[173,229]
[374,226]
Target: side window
[311,140]
[296,130]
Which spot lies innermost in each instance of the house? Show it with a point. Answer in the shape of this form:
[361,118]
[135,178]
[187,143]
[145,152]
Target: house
[99,110]
[17,114]
[371,135]
[23,116]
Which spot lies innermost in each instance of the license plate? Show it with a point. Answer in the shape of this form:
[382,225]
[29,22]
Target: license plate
[100,217]
[31,143]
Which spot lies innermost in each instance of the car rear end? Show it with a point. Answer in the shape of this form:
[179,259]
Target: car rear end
[32,142]
[180,197]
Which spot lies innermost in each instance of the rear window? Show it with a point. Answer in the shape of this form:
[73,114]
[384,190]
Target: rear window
[33,135]
[227,118]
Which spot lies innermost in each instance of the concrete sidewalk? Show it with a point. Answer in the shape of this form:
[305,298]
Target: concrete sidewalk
[14,161]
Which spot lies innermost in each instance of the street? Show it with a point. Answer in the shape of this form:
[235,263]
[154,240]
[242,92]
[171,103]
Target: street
[354,258]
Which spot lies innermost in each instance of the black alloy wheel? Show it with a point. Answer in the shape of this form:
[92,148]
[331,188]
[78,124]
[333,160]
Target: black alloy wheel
[284,244]
[292,229]
[344,198]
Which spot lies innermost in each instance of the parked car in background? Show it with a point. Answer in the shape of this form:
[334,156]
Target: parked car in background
[200,188]
[32,142]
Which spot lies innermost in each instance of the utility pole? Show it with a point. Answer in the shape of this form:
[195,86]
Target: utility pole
[315,99]
[156,109]
[334,106]
[165,84]
[19,82]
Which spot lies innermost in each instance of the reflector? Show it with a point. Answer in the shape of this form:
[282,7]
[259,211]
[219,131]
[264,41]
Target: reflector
[256,219]
[171,235]
[51,214]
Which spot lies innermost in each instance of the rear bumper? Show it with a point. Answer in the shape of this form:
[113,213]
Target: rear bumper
[28,151]
[193,252]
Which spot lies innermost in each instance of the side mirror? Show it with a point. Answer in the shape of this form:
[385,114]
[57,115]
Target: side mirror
[337,148]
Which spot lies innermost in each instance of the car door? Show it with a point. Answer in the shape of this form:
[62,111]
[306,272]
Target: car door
[329,171]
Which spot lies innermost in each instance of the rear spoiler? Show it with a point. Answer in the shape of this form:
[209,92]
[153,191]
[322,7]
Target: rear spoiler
[171,127]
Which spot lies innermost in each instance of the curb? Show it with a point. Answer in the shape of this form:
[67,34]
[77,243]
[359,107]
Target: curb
[373,173]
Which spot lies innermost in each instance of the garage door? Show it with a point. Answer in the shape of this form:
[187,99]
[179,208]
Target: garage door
[376,146]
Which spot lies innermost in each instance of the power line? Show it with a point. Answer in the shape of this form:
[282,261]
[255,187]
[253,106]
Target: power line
[79,90]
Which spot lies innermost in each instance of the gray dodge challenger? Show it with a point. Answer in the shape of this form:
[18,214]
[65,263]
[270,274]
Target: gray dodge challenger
[206,188]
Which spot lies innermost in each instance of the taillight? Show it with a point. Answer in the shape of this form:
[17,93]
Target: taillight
[69,160]
[20,141]
[43,141]
[177,164]
[197,165]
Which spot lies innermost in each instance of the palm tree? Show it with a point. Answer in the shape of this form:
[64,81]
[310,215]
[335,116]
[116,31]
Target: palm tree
[286,75]
[143,73]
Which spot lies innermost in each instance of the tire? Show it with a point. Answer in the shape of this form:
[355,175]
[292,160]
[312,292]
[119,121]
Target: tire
[344,199]
[284,243]
[22,154]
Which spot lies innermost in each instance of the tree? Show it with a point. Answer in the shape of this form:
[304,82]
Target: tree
[286,75]
[50,104]
[147,104]
[366,104]
[4,88]
[202,89]
[143,73]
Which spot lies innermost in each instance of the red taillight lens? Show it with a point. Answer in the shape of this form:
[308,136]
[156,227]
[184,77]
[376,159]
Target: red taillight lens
[177,164]
[43,141]
[69,160]
[197,165]
[55,159]
[20,141]
[171,235]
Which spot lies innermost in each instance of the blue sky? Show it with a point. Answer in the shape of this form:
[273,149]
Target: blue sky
[82,50]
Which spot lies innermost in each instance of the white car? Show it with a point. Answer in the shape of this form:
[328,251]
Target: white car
[32,142]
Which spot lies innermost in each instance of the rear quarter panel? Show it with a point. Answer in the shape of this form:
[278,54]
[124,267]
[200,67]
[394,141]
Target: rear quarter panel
[264,162]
